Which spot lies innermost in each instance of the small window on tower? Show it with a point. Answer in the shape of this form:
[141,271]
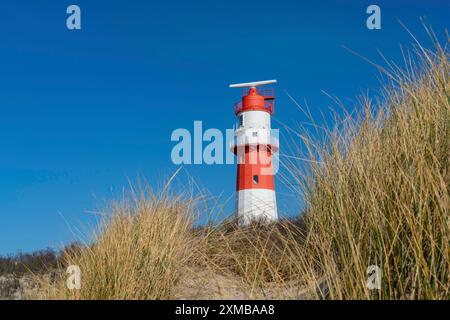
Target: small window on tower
[255,133]
[241,120]
[255,179]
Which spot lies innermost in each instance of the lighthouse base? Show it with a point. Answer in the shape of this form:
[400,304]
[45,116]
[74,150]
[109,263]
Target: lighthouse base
[256,205]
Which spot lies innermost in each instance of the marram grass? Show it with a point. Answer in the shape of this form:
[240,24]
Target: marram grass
[376,193]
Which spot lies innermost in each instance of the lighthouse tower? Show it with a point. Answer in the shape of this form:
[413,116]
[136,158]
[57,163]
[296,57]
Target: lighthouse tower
[254,147]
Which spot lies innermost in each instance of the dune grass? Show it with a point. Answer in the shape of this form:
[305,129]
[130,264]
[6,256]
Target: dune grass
[376,193]
[138,252]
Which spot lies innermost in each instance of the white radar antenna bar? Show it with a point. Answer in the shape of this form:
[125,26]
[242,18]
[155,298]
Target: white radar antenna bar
[252,84]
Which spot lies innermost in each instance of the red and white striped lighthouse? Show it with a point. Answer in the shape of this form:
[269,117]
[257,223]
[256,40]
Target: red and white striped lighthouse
[254,147]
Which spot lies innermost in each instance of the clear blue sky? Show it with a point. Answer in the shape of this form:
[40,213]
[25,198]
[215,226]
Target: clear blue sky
[84,111]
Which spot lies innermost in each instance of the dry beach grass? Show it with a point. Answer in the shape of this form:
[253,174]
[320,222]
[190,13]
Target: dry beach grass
[376,192]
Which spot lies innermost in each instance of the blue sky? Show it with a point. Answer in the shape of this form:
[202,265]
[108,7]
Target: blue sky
[83,112]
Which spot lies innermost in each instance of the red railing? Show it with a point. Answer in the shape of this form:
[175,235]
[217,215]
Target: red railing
[268,106]
[267,93]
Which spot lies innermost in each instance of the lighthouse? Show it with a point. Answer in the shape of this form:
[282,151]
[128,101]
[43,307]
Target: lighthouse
[254,147]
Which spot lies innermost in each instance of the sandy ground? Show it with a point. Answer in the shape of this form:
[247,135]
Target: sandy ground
[194,284]
[204,284]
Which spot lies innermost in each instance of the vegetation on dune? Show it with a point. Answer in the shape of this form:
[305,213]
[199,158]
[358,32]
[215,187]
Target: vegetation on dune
[259,255]
[22,263]
[137,254]
[377,193]
[380,195]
